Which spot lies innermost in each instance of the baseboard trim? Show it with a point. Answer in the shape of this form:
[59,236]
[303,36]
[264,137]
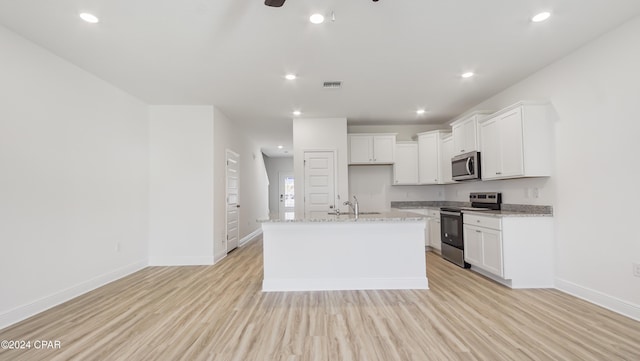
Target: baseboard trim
[334,284]
[181,261]
[249,237]
[596,297]
[21,313]
[217,258]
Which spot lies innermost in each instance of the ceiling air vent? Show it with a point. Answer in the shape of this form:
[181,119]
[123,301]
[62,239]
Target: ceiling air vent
[332,85]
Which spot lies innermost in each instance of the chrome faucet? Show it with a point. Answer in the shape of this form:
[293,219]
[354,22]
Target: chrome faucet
[354,205]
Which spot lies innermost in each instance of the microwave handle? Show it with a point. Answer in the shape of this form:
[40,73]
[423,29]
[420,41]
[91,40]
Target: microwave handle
[469,166]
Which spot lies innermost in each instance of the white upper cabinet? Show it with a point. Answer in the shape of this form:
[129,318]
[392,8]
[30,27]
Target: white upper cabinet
[446,147]
[371,148]
[430,157]
[465,133]
[517,142]
[405,168]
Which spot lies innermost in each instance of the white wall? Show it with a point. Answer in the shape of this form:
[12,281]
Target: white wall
[181,185]
[595,92]
[254,189]
[276,165]
[373,185]
[73,183]
[320,134]
[538,191]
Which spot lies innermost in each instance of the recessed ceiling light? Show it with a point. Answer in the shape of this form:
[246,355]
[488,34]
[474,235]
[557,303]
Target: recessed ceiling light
[316,18]
[468,74]
[280,146]
[290,76]
[90,18]
[297,112]
[541,17]
[420,111]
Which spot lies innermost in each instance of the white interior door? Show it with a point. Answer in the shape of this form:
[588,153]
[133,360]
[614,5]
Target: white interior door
[286,196]
[319,183]
[232,194]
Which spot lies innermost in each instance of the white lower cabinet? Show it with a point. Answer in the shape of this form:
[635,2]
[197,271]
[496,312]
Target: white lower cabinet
[434,230]
[472,246]
[515,251]
[483,248]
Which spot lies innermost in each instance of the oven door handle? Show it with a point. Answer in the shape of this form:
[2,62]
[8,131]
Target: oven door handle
[455,214]
[468,166]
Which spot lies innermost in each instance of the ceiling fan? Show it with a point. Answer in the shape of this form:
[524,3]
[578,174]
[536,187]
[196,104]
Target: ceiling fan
[279,3]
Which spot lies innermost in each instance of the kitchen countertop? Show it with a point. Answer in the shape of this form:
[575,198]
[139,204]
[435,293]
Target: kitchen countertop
[508,210]
[506,213]
[390,216]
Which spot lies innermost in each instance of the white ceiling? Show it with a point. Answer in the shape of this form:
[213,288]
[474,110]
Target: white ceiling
[393,56]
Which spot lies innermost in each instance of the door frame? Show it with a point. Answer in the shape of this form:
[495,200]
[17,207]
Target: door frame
[281,207]
[226,198]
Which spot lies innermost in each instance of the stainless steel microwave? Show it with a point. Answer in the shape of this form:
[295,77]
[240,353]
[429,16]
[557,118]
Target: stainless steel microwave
[466,166]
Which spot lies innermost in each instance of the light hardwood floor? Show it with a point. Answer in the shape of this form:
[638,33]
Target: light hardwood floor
[219,313]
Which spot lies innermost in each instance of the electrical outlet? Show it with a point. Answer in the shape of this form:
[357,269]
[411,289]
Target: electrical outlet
[636,269]
[535,192]
[117,246]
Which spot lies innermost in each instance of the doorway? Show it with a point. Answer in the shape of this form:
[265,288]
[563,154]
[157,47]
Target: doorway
[286,199]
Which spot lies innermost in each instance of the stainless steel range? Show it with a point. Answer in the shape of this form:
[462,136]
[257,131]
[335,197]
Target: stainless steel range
[451,220]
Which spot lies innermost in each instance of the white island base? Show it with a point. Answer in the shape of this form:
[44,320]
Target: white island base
[344,255]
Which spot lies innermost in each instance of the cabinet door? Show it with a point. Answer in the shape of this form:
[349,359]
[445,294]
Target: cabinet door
[472,245]
[405,168]
[383,148]
[491,166]
[429,159]
[511,143]
[470,136]
[360,149]
[446,148]
[434,233]
[465,136]
[492,251]
[459,138]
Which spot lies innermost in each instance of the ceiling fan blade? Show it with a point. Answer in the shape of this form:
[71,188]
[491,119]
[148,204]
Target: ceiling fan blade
[274,3]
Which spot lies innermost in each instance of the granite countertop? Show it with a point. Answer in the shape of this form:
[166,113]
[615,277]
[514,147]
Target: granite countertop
[507,213]
[390,216]
[508,210]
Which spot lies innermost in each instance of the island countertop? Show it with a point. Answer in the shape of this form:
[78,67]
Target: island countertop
[389,216]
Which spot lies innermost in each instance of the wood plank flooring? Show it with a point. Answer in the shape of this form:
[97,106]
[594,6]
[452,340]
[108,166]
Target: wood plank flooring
[219,313]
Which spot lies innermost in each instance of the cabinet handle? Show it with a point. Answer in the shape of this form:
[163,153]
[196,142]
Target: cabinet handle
[462,151]
[477,221]
[375,160]
[478,231]
[498,173]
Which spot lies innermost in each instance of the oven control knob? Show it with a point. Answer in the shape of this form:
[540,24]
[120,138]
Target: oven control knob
[446,234]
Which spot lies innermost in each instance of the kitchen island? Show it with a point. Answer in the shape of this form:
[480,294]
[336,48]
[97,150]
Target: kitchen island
[344,252]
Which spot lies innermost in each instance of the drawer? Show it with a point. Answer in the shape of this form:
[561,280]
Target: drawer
[480,221]
[434,213]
